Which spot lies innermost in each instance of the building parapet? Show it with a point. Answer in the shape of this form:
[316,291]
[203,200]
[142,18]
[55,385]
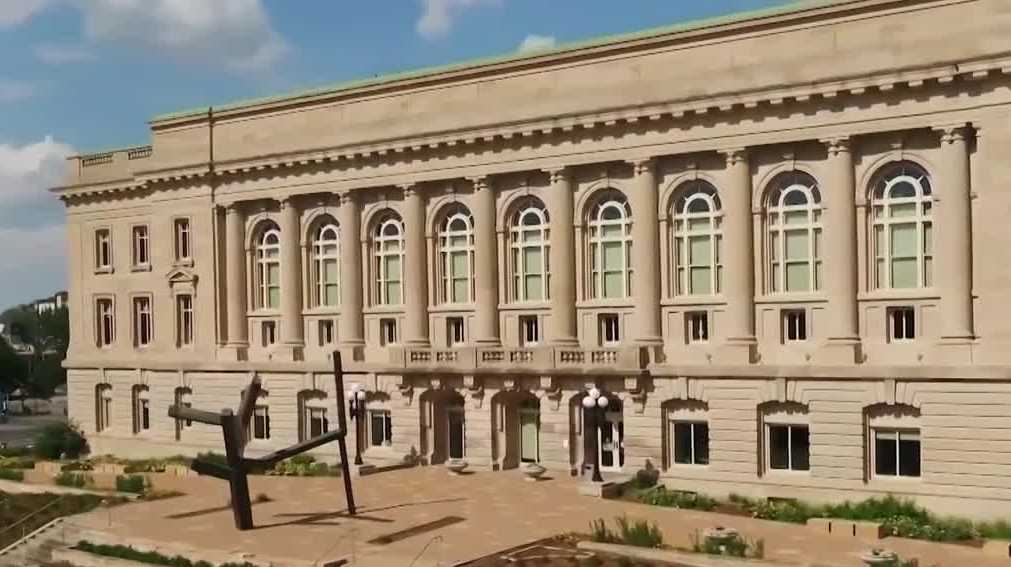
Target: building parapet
[103,167]
[538,359]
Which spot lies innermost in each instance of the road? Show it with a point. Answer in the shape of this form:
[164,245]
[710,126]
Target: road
[20,429]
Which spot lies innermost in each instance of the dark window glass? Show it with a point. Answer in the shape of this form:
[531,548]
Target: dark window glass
[800,447]
[885,454]
[378,427]
[145,416]
[779,447]
[683,443]
[909,456]
[701,443]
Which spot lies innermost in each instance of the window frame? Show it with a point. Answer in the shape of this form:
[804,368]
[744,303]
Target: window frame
[899,432]
[791,415]
[103,407]
[598,243]
[683,233]
[142,320]
[528,323]
[141,409]
[793,326]
[519,245]
[268,333]
[882,224]
[387,429]
[103,250]
[140,255]
[778,230]
[450,248]
[261,412]
[268,256]
[185,320]
[385,247]
[182,232]
[105,337]
[692,327]
[326,330]
[456,332]
[326,251]
[909,317]
[607,322]
[385,325]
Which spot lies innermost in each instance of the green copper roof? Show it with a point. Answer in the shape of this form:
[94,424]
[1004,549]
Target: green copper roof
[786,8]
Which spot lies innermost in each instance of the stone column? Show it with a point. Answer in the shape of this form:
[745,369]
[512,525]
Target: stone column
[738,251]
[485,265]
[416,269]
[953,234]
[562,256]
[645,253]
[292,335]
[840,254]
[235,278]
[351,327]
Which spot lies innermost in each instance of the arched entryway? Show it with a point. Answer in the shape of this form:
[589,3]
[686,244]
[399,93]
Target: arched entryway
[517,427]
[443,426]
[607,428]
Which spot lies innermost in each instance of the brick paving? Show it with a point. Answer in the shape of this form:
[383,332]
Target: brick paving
[305,521]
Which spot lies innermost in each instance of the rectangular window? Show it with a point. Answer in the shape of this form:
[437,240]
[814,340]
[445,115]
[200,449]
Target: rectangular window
[103,249]
[380,428]
[530,330]
[388,332]
[789,447]
[691,443]
[902,324]
[896,452]
[316,422]
[143,327]
[142,415]
[103,408]
[261,423]
[141,247]
[183,248]
[610,329]
[326,332]
[697,326]
[105,322]
[184,320]
[794,325]
[455,335]
[269,333]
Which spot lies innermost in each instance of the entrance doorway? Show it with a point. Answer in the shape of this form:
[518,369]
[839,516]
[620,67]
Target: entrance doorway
[529,431]
[611,439]
[457,432]
[443,426]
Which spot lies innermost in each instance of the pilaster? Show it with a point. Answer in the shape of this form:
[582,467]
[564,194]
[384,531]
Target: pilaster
[485,265]
[351,333]
[416,269]
[645,253]
[739,287]
[237,339]
[563,258]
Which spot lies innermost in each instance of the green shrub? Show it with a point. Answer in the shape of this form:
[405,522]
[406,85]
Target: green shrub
[15,452]
[660,496]
[60,441]
[599,532]
[145,465]
[134,483]
[150,557]
[639,533]
[735,546]
[12,474]
[212,457]
[876,509]
[78,466]
[301,465]
[72,479]
[1000,529]
[17,462]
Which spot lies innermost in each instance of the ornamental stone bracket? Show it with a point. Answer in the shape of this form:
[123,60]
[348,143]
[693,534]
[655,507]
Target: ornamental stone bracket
[475,390]
[551,389]
[636,388]
[406,389]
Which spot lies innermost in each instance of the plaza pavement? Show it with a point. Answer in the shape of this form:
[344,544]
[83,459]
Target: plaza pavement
[485,512]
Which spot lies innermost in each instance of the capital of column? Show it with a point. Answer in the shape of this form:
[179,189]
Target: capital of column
[410,189]
[346,198]
[837,146]
[642,166]
[735,156]
[557,174]
[233,208]
[481,183]
[951,133]
[286,202]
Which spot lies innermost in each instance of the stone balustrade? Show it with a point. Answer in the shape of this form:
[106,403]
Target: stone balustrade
[529,359]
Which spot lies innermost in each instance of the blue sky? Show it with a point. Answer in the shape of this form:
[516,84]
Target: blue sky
[81,75]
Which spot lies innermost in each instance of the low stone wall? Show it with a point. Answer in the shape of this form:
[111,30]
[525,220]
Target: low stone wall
[847,528]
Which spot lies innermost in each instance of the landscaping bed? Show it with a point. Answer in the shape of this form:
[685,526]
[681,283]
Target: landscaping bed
[561,551]
[899,517]
[15,507]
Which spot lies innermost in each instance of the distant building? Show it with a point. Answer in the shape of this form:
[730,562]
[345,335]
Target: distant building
[57,301]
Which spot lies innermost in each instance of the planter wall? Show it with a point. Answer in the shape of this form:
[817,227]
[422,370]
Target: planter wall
[847,528]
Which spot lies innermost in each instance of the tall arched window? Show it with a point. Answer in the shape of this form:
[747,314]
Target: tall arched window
[610,251]
[388,249]
[326,265]
[794,227]
[529,243]
[901,220]
[456,253]
[268,268]
[697,234]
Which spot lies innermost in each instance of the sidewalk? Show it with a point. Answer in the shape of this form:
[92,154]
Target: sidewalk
[474,515]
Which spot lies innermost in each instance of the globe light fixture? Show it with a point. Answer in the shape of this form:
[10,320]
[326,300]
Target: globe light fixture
[594,402]
[356,407]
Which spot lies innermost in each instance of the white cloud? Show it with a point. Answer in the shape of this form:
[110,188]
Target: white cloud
[533,43]
[32,241]
[437,15]
[14,91]
[236,34]
[60,53]
[16,12]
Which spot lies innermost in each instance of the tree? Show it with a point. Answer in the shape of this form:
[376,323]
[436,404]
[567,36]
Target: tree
[48,334]
[13,368]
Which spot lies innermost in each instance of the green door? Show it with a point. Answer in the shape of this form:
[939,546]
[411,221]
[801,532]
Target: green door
[529,436]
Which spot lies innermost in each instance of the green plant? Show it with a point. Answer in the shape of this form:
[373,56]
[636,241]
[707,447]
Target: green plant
[661,496]
[1001,529]
[145,465]
[17,462]
[301,465]
[60,441]
[599,532]
[78,466]
[15,452]
[72,479]
[134,483]
[639,533]
[212,457]
[12,474]
[151,557]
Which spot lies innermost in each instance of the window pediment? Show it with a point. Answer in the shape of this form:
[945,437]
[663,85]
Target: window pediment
[182,279]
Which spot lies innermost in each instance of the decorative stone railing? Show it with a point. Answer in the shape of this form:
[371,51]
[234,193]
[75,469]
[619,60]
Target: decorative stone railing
[109,166]
[535,359]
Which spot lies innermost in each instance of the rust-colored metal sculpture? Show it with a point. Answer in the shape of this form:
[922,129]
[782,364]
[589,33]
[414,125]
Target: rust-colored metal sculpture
[233,428]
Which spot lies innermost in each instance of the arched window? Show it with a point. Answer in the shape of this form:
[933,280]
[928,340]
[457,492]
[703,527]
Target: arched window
[456,253]
[697,234]
[388,249]
[902,228]
[529,243]
[326,265]
[793,218]
[611,247]
[268,268]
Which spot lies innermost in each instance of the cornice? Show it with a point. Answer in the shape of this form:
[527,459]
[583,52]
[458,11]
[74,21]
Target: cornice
[914,79]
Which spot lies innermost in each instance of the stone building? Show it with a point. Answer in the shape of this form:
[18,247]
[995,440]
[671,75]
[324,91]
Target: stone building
[771,240]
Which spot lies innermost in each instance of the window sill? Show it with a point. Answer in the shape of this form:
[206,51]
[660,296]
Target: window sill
[525,306]
[321,311]
[104,270]
[625,303]
[264,314]
[141,268]
[786,473]
[790,298]
[453,308]
[694,300]
[183,263]
[920,294]
[384,310]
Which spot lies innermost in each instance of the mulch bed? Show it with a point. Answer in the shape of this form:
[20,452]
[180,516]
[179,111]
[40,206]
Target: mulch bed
[559,551]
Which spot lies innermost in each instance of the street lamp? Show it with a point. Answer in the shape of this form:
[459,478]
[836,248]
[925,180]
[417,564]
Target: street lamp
[356,405]
[594,402]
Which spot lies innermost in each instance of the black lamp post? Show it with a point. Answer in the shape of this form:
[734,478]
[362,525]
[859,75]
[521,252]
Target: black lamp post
[356,405]
[594,403]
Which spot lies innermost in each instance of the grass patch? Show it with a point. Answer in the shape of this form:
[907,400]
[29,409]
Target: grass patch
[134,483]
[640,533]
[150,557]
[72,479]
[15,507]
[302,465]
[16,475]
[735,546]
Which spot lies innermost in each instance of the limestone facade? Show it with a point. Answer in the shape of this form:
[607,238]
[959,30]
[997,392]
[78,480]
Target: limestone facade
[772,241]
